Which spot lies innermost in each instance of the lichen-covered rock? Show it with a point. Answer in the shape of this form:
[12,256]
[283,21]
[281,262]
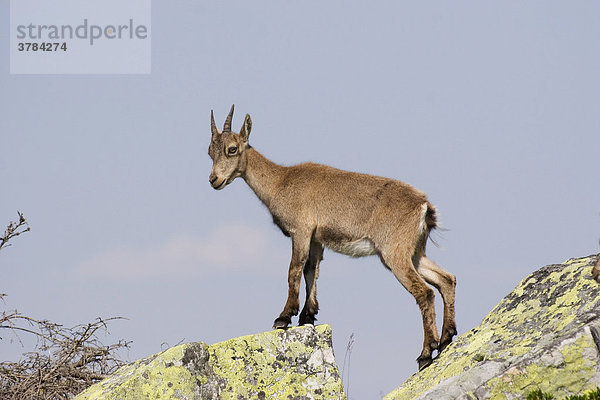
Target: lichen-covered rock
[294,364]
[545,334]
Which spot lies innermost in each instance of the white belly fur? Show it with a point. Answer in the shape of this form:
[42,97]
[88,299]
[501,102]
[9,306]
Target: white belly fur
[357,248]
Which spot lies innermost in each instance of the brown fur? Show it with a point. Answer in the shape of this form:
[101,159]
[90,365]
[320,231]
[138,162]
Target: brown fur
[596,270]
[356,214]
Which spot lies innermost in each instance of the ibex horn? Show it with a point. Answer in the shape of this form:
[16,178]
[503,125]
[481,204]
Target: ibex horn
[213,126]
[227,126]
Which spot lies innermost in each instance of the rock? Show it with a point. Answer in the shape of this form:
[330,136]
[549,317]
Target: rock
[296,363]
[545,334]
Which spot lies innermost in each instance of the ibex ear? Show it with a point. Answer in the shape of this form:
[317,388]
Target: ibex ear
[246,128]
[213,126]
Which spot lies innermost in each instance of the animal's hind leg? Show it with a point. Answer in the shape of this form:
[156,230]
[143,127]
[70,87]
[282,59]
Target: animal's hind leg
[596,270]
[445,283]
[400,263]
[311,273]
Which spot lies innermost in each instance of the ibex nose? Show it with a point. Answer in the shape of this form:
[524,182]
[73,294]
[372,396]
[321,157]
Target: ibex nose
[212,178]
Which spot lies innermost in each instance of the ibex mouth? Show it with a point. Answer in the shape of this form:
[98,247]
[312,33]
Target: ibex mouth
[220,185]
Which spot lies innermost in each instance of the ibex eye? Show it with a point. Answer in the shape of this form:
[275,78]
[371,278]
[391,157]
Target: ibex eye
[232,150]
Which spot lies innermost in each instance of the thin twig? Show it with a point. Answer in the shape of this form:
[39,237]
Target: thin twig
[14,229]
[347,355]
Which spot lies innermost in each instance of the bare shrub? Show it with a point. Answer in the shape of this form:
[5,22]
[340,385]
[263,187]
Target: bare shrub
[64,361]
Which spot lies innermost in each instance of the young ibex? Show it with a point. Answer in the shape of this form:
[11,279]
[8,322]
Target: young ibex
[350,213]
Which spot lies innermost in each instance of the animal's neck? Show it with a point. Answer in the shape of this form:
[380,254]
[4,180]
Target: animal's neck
[262,175]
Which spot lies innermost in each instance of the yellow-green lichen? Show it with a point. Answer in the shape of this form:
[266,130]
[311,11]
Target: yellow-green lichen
[279,366]
[156,377]
[571,375]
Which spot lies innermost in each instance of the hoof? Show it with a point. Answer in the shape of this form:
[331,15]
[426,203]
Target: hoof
[443,345]
[306,320]
[281,323]
[446,341]
[424,362]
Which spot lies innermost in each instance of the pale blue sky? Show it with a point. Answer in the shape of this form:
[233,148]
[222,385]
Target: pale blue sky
[491,108]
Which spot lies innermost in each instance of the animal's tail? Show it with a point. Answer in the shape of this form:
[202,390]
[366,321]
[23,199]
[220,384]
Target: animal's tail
[431,217]
[428,221]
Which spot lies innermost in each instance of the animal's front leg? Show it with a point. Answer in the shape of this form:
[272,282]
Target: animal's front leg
[300,248]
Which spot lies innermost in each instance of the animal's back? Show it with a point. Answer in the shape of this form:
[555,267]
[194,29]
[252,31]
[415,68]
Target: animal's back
[350,192]
[348,209]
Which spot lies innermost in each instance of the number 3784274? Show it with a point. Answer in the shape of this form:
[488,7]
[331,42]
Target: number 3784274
[45,46]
